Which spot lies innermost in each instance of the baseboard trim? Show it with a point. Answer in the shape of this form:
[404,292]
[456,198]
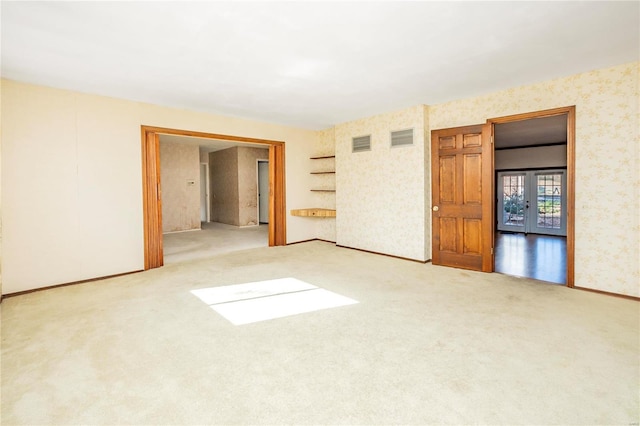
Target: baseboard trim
[384,254]
[312,239]
[608,293]
[363,250]
[33,290]
[181,231]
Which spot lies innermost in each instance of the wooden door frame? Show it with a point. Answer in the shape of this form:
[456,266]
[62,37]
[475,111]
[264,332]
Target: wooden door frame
[152,191]
[570,111]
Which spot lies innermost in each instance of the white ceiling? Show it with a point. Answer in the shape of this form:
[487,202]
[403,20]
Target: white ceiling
[309,64]
[535,131]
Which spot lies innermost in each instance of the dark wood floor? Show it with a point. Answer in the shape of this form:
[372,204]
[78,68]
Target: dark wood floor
[542,257]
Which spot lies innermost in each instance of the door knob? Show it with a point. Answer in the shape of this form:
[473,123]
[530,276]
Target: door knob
[436,208]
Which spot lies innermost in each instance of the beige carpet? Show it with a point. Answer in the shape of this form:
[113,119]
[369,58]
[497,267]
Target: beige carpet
[213,239]
[425,345]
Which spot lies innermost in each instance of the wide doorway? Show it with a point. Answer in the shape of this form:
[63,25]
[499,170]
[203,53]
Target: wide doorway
[173,196]
[210,197]
[532,197]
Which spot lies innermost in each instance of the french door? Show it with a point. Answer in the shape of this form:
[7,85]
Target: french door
[533,201]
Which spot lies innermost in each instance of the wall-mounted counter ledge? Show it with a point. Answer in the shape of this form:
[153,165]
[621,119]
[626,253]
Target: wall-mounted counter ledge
[314,212]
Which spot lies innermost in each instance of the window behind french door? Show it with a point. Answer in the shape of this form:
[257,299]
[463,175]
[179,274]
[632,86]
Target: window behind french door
[533,201]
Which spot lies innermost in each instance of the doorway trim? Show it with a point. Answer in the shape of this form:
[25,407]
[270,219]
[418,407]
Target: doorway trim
[570,111]
[152,188]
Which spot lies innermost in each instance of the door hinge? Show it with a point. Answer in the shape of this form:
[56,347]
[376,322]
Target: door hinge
[491,140]
[491,250]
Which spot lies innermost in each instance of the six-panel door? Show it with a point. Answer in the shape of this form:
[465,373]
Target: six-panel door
[461,161]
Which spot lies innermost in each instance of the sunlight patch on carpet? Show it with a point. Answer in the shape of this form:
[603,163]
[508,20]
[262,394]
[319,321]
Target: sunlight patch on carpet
[264,300]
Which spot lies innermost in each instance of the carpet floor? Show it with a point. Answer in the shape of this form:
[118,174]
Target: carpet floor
[213,239]
[424,345]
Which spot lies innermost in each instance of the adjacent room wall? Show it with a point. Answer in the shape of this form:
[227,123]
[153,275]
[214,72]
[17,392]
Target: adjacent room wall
[380,194]
[223,169]
[180,183]
[234,185]
[607,220]
[248,184]
[534,157]
[78,157]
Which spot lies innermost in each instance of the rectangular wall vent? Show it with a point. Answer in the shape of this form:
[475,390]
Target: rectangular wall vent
[362,143]
[402,138]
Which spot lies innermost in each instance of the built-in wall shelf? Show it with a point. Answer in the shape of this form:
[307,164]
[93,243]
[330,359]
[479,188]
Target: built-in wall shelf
[314,212]
[324,183]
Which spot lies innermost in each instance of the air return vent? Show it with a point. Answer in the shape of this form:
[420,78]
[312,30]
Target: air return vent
[362,143]
[402,138]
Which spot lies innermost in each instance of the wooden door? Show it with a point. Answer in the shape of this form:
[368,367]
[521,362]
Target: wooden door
[462,211]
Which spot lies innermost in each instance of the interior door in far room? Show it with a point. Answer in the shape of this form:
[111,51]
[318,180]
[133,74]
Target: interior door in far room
[462,184]
[204,193]
[263,191]
[534,201]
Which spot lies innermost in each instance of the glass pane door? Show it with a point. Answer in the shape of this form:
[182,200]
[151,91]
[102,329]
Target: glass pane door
[550,203]
[532,201]
[511,201]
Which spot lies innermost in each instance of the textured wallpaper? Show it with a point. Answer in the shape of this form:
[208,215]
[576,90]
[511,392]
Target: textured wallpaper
[380,194]
[607,164]
[248,183]
[179,164]
[223,169]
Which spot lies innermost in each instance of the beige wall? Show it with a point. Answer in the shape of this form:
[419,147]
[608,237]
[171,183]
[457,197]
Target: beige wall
[248,184]
[179,166]
[380,194]
[72,180]
[223,168]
